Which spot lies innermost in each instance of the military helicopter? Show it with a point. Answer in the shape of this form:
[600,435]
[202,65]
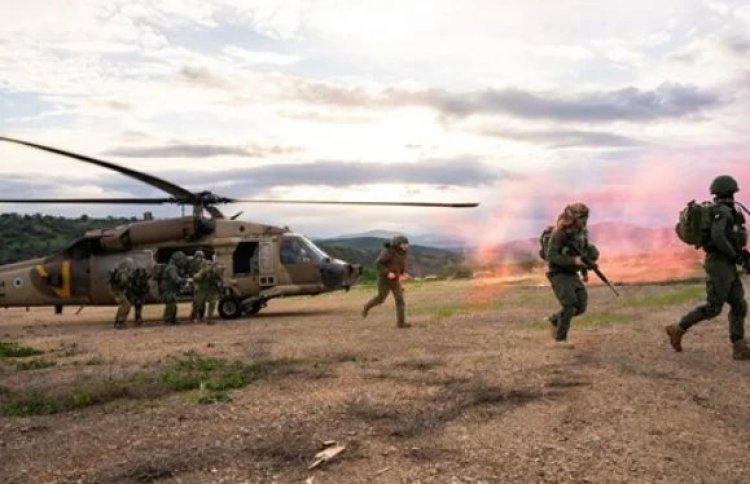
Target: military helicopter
[262,262]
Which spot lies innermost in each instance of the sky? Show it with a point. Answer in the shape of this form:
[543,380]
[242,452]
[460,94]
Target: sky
[631,107]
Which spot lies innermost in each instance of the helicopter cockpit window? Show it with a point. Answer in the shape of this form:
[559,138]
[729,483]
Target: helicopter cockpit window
[294,251]
[317,252]
[299,250]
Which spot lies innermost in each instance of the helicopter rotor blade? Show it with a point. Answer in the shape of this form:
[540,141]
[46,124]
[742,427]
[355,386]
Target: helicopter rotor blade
[113,201]
[183,195]
[377,204]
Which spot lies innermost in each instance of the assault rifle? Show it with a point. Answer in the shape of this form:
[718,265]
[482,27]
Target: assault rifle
[593,266]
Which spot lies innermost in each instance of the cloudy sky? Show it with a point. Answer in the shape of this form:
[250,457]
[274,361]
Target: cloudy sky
[631,107]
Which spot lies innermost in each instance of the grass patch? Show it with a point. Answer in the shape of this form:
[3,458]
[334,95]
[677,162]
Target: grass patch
[445,312]
[35,364]
[210,378]
[94,360]
[12,350]
[688,294]
[68,350]
[599,319]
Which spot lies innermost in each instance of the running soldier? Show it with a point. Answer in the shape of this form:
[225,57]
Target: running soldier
[391,267]
[725,250]
[568,237]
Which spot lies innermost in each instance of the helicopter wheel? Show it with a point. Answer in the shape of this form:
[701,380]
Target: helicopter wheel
[230,307]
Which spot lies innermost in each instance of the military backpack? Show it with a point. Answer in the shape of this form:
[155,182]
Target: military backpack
[694,224]
[544,241]
[158,272]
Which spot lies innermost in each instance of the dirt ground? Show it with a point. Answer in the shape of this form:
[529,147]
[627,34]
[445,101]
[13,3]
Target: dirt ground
[473,392]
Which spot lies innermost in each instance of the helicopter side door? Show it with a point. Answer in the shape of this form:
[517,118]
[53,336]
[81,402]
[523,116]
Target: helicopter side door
[245,267]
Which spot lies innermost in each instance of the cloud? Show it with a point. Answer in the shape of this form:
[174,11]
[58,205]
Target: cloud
[563,138]
[668,100]
[201,151]
[461,171]
[453,172]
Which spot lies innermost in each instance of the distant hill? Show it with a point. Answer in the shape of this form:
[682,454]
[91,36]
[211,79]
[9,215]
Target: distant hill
[28,236]
[423,260]
[427,240]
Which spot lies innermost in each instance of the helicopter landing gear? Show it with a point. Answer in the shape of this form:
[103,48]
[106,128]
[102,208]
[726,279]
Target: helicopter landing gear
[253,305]
[230,307]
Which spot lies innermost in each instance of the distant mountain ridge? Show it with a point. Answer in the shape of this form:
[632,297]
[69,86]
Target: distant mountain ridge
[423,260]
[426,239]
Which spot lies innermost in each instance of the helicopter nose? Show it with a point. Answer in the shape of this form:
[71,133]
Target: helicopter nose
[339,275]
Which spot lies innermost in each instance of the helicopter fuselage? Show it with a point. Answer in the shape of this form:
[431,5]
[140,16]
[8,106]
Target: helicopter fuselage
[261,262]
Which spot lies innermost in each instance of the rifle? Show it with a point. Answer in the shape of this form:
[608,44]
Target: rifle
[593,266]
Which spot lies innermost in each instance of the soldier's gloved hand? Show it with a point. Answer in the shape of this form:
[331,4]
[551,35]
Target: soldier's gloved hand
[578,262]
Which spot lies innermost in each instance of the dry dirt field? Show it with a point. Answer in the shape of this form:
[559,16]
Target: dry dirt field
[473,392]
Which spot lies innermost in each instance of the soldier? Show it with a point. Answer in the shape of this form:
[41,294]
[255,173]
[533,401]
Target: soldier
[569,237]
[118,285]
[137,292]
[170,284]
[208,290]
[391,267]
[197,263]
[725,249]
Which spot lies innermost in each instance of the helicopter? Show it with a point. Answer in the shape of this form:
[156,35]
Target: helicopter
[262,262]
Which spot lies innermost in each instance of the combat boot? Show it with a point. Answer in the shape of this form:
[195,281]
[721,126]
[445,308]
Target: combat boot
[365,310]
[675,333]
[740,351]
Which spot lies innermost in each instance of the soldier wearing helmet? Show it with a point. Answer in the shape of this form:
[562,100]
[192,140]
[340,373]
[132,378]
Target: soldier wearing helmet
[197,263]
[391,267]
[569,237]
[170,284]
[118,286]
[725,249]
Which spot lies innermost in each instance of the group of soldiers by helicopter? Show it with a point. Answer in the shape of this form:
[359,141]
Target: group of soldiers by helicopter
[130,286]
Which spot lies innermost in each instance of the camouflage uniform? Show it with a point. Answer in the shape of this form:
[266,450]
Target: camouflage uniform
[208,289]
[169,286]
[392,260]
[724,250]
[564,268]
[118,285]
[137,292]
[197,263]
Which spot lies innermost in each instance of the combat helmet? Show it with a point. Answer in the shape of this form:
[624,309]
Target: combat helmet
[199,254]
[724,186]
[576,211]
[398,240]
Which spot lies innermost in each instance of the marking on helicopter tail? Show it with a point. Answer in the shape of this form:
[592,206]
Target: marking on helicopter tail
[41,271]
[64,291]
